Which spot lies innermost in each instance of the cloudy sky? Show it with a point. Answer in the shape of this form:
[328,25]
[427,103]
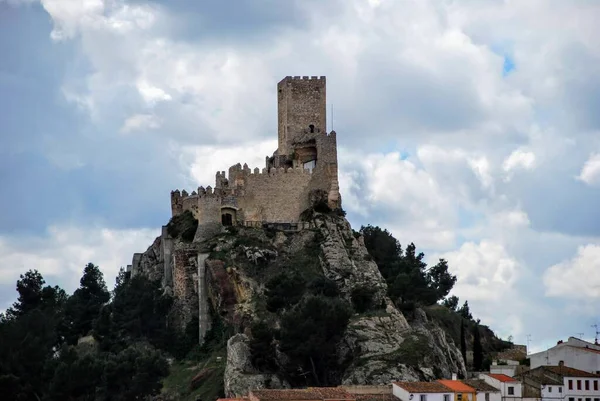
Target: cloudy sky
[469,127]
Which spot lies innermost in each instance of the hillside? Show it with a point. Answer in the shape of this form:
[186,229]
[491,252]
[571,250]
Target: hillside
[325,305]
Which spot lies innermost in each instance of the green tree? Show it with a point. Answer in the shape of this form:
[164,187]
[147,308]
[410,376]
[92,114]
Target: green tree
[83,307]
[451,303]
[477,349]
[362,298]
[262,347]
[309,335]
[465,312]
[410,281]
[440,279]
[284,290]
[463,341]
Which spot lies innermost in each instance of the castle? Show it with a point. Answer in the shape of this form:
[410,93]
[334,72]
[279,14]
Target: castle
[304,163]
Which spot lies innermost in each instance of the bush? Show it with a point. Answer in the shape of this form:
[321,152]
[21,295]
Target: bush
[362,298]
[183,226]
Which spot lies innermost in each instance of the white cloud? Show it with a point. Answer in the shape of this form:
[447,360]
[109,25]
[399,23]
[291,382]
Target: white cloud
[485,270]
[590,173]
[140,122]
[62,254]
[577,278]
[519,159]
[422,75]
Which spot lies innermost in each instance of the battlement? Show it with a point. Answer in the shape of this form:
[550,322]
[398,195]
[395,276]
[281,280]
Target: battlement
[305,77]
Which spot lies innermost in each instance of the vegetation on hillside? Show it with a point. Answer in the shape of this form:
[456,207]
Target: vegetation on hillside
[100,345]
[89,345]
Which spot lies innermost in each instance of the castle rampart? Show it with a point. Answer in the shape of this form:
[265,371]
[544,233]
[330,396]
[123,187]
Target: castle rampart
[306,160]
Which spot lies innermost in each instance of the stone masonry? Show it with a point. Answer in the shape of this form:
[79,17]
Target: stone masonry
[305,160]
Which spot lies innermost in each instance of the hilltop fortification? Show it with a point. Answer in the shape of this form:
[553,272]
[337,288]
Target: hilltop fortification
[305,163]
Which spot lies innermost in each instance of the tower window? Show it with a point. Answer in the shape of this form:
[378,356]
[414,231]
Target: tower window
[312,128]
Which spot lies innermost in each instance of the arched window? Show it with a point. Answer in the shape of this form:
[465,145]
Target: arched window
[312,128]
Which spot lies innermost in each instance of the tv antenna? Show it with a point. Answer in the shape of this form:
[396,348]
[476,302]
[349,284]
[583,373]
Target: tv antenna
[595,326]
[580,335]
[528,341]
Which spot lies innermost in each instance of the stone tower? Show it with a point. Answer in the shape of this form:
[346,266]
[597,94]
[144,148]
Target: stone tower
[301,107]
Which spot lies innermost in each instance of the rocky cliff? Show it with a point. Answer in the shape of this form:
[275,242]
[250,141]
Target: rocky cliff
[378,345]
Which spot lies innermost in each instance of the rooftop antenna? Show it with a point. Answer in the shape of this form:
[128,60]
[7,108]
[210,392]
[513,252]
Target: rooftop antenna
[595,326]
[580,335]
[528,341]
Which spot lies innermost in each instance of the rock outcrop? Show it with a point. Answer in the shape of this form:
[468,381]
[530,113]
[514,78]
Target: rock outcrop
[240,375]
[378,346]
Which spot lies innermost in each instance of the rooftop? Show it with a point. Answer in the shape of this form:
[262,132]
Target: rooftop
[457,386]
[286,394]
[569,372]
[423,387]
[374,397]
[331,393]
[501,377]
[480,385]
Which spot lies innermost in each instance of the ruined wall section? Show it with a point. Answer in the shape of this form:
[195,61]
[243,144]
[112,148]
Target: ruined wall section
[278,196]
[301,102]
[185,287]
[325,174]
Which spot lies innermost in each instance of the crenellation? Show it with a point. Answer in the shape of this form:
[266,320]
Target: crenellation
[305,160]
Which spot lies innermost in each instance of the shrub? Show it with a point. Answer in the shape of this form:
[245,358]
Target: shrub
[362,298]
[183,226]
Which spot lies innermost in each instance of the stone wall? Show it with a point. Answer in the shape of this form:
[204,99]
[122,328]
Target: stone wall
[279,196]
[185,287]
[301,102]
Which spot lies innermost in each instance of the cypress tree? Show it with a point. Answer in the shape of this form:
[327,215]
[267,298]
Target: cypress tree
[477,349]
[463,341]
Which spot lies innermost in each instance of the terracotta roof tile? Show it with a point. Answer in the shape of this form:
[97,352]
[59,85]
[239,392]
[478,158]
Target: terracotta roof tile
[501,377]
[569,372]
[285,394]
[480,385]
[457,386]
[423,387]
[375,397]
[331,393]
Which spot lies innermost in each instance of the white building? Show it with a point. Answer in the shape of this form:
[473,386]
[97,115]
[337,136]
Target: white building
[510,388]
[574,353]
[421,391]
[561,383]
[485,392]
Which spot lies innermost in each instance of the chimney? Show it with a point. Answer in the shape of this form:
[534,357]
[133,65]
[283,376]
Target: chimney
[561,363]
[453,376]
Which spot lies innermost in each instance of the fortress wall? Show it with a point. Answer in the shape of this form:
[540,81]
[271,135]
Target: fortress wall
[185,288]
[325,175]
[278,196]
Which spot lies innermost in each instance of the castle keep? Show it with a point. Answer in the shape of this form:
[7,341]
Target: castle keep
[304,164]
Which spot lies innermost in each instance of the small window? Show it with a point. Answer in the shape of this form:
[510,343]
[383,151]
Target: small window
[446,397]
[511,391]
[571,385]
[587,384]
[487,396]
[549,389]
[595,385]
[458,397]
[571,399]
[560,389]
[578,384]
[588,399]
[596,399]
[423,397]
[312,129]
